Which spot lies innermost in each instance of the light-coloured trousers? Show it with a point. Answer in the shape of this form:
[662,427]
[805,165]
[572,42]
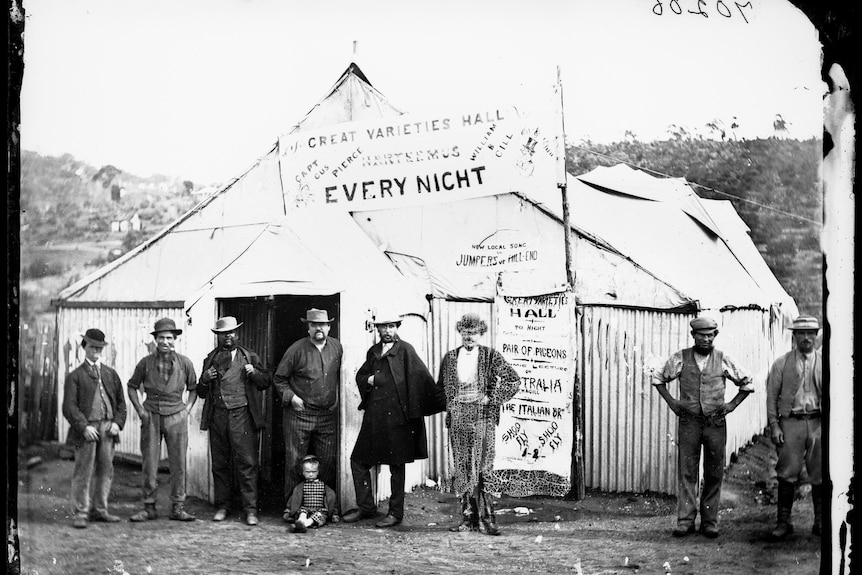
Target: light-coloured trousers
[802,446]
[94,468]
[174,429]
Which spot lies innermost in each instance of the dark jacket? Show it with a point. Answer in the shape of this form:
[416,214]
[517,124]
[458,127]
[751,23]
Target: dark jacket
[254,385]
[409,372]
[78,393]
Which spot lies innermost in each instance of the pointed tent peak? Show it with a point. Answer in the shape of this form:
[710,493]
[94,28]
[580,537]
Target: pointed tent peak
[351,98]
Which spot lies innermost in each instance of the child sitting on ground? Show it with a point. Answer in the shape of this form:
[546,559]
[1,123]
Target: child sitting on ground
[312,502]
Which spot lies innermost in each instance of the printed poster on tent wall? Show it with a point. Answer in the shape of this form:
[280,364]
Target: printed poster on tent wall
[535,436]
[420,159]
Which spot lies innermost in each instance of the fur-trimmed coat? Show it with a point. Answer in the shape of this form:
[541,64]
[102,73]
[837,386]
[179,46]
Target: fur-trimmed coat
[498,380]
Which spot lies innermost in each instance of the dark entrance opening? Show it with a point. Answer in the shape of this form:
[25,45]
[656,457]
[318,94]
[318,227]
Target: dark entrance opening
[270,325]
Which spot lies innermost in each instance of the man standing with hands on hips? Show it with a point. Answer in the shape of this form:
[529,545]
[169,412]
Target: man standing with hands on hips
[232,379]
[701,409]
[793,392]
[166,376]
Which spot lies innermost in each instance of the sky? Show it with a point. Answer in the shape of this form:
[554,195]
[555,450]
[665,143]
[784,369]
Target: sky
[199,89]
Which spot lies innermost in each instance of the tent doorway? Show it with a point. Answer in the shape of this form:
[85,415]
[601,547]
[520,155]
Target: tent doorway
[270,325]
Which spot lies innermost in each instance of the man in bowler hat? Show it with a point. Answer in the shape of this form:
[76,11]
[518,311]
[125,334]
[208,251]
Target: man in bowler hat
[232,379]
[793,392]
[702,371]
[166,376]
[307,380]
[95,408]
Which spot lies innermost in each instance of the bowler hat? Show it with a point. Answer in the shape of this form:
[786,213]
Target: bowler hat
[94,338]
[226,324]
[703,323]
[806,322]
[165,324]
[315,315]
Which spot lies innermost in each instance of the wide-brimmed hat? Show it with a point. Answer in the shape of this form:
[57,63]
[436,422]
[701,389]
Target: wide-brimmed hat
[95,338]
[806,322]
[387,316]
[226,324]
[315,315]
[703,323]
[165,324]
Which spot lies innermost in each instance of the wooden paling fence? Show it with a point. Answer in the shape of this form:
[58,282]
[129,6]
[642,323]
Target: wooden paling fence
[37,384]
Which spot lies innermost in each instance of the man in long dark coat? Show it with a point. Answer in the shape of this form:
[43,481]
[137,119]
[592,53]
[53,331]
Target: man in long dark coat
[392,383]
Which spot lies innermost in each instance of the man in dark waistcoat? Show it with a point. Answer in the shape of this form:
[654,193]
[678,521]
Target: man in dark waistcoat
[391,383]
[702,371]
[95,408]
[793,392]
[166,377]
[232,379]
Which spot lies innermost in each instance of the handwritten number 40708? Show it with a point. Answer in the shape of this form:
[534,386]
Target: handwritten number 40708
[721,8]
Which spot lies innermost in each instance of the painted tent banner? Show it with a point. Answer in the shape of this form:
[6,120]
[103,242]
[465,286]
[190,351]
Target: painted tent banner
[535,436]
[415,159]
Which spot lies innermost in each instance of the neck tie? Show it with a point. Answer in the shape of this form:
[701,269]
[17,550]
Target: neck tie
[806,384]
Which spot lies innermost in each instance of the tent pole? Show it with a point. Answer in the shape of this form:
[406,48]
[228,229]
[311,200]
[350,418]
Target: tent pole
[578,491]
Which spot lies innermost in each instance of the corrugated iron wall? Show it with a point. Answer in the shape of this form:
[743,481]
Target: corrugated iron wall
[127,331]
[630,433]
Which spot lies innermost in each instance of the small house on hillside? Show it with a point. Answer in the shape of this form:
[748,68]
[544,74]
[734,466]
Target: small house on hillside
[648,255]
[126,222]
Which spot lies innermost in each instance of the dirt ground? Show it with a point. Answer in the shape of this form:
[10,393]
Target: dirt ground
[602,534]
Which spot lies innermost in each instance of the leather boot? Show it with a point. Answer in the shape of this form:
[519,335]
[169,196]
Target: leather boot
[178,513]
[784,527]
[487,519]
[146,514]
[817,499]
[469,515]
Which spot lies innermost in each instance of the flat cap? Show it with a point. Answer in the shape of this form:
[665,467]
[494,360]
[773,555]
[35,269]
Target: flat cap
[703,322]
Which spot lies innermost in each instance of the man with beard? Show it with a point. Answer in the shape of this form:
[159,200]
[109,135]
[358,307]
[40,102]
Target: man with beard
[166,376]
[307,380]
[702,371]
[392,384]
[793,392]
[231,383]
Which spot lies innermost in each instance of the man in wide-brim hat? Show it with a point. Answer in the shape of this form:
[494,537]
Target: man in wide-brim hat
[94,406]
[308,378]
[793,393]
[231,384]
[166,377]
[702,371]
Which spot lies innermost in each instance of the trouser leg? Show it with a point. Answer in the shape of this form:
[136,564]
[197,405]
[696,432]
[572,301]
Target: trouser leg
[396,499]
[81,475]
[689,434]
[220,455]
[324,444]
[151,447]
[297,435]
[362,486]
[104,474]
[714,444]
[244,448]
[817,501]
[176,434]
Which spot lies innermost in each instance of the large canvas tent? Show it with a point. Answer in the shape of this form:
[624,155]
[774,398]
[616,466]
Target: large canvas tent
[648,255]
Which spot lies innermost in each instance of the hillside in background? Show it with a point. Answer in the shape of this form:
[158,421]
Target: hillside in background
[76,217]
[773,183]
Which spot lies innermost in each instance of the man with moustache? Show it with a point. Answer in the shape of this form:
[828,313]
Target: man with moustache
[165,376]
[702,371]
[307,380]
[793,392]
[232,379]
[95,408]
[392,384]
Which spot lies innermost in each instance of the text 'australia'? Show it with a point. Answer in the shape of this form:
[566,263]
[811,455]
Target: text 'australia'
[384,188]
